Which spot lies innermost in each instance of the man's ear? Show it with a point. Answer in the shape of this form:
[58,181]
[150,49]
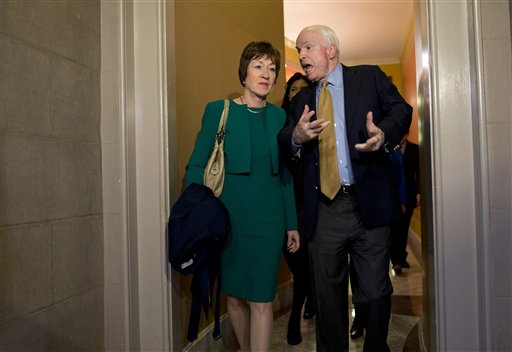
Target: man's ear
[331,51]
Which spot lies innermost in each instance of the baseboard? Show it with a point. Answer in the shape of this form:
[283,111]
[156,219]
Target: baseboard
[421,337]
[205,341]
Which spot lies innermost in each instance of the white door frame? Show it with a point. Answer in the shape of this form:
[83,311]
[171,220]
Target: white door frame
[456,252]
[144,90]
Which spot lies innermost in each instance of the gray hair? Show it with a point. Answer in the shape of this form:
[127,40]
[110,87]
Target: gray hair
[327,33]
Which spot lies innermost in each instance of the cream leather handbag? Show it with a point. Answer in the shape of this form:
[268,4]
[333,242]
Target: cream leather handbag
[214,169]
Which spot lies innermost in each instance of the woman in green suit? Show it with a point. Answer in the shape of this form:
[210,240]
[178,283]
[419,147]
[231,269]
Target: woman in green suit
[258,193]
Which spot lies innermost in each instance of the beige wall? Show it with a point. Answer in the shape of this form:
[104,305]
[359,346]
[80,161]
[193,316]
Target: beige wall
[394,71]
[291,59]
[410,91]
[210,38]
[51,230]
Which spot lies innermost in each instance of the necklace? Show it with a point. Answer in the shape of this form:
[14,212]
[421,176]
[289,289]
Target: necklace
[251,110]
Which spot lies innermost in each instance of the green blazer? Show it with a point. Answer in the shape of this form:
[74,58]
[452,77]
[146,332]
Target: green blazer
[237,148]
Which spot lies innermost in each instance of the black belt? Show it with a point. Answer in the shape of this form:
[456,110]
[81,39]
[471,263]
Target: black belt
[347,189]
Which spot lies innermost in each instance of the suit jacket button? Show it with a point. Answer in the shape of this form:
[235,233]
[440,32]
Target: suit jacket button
[316,164]
[316,188]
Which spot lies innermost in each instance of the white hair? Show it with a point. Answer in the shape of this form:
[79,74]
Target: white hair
[327,33]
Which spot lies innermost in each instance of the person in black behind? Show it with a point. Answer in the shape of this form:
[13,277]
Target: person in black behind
[298,262]
[370,118]
[411,163]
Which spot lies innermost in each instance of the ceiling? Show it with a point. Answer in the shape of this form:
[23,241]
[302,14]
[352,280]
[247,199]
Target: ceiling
[370,31]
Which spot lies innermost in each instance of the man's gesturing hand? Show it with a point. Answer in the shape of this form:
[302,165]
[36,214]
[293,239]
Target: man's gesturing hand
[376,136]
[306,129]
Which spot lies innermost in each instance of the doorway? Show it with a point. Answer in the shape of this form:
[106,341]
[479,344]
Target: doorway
[457,295]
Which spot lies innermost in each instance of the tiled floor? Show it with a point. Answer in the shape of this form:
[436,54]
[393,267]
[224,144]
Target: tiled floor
[406,309]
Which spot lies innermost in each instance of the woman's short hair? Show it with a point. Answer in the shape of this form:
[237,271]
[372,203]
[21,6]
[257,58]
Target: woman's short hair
[256,50]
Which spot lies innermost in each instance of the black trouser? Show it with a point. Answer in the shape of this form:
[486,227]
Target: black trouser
[298,263]
[340,232]
[399,235]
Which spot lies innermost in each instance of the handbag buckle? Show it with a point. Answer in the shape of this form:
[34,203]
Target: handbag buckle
[220,135]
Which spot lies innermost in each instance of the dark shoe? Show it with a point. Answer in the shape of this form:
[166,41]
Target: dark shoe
[397,268]
[406,264]
[309,311]
[294,336]
[308,315]
[356,331]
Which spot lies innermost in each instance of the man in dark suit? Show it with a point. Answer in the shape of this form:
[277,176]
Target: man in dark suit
[410,156]
[370,118]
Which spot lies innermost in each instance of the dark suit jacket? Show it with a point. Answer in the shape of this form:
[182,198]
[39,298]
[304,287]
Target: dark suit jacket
[195,247]
[366,88]
[411,172]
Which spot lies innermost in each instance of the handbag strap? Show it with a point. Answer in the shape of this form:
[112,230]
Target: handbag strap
[222,122]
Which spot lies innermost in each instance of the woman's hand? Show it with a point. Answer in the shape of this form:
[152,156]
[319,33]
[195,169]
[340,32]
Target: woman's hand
[293,242]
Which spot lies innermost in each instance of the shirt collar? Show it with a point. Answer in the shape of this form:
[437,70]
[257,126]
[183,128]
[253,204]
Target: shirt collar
[335,77]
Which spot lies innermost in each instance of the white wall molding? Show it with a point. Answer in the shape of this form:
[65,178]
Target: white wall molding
[145,115]
[456,193]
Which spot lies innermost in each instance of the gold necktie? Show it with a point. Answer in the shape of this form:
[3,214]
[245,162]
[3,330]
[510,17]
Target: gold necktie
[329,174]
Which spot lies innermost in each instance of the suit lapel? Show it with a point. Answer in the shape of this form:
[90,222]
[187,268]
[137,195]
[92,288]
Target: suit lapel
[310,100]
[351,87]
